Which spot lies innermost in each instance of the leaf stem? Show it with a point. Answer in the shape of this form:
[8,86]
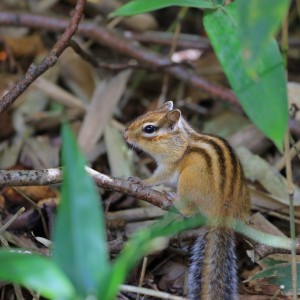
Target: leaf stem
[289,175]
[292,213]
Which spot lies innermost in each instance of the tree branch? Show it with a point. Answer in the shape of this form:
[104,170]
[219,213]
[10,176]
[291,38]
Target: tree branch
[121,44]
[55,175]
[35,71]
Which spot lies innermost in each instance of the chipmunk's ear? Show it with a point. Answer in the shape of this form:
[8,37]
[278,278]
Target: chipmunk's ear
[174,116]
[167,106]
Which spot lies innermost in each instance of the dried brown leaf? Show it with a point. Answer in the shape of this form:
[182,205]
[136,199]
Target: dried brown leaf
[105,98]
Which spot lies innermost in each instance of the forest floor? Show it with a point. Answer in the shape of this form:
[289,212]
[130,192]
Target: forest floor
[113,70]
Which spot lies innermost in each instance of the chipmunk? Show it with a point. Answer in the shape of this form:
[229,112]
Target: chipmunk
[209,179]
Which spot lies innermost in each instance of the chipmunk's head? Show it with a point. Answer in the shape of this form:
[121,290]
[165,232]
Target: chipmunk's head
[157,132]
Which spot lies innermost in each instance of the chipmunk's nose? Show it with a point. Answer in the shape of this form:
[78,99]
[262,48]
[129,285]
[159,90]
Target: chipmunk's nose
[125,134]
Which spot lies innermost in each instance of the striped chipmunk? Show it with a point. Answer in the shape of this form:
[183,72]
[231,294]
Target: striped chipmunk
[209,177]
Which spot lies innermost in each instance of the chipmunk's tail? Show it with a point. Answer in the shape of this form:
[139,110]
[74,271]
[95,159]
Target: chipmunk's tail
[213,271]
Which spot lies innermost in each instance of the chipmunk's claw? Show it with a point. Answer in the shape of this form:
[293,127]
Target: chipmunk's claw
[134,180]
[172,196]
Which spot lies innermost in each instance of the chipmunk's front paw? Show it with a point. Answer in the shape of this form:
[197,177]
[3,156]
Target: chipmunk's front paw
[172,196]
[135,180]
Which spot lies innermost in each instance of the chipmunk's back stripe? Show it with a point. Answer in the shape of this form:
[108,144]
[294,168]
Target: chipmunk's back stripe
[210,140]
[204,153]
[222,161]
[235,170]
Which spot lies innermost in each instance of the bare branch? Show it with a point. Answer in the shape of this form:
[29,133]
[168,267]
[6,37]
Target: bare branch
[55,175]
[35,71]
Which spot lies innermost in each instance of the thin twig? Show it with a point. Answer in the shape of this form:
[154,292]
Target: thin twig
[18,291]
[293,152]
[153,293]
[38,209]
[35,71]
[11,220]
[142,276]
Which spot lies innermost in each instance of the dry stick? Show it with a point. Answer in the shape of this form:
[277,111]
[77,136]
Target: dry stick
[17,288]
[35,71]
[18,291]
[143,271]
[123,45]
[11,220]
[153,293]
[38,209]
[293,152]
[53,176]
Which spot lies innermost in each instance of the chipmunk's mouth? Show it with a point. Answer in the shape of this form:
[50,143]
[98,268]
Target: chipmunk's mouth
[130,143]
[135,147]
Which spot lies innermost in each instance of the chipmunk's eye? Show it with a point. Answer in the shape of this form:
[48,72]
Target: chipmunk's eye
[150,128]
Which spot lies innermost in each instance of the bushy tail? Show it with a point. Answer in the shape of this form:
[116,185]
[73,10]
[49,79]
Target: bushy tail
[212,274]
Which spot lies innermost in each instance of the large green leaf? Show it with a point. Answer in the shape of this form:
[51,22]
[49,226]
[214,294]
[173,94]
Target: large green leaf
[259,20]
[263,97]
[80,247]
[141,6]
[281,275]
[35,272]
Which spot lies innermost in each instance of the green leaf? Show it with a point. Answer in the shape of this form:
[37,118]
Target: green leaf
[35,272]
[264,97]
[141,6]
[281,275]
[259,20]
[80,247]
